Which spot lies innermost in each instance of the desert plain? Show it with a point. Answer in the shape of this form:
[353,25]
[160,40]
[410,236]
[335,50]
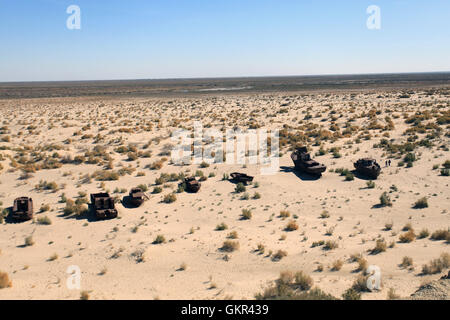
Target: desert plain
[225,242]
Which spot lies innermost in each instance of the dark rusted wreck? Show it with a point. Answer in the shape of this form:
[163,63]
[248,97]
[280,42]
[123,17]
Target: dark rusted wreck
[241,177]
[22,209]
[103,206]
[368,167]
[303,162]
[192,184]
[136,197]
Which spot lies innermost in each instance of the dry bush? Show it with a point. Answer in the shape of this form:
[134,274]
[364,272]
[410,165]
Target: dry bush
[407,237]
[280,254]
[441,235]
[337,265]
[330,245]
[437,265]
[285,214]
[291,226]
[230,246]
[380,246]
[5,282]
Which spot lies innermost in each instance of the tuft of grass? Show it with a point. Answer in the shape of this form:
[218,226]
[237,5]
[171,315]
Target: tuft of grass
[437,265]
[330,245]
[29,241]
[380,246]
[291,226]
[370,184]
[441,235]
[84,295]
[406,262]
[246,214]
[230,246]
[222,226]
[337,265]
[421,203]
[284,214]
[240,187]
[280,254]
[408,236]
[159,239]
[385,200]
[44,221]
[170,198]
[5,282]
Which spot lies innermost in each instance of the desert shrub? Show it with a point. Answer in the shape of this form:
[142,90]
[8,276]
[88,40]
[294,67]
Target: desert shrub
[280,254]
[5,282]
[221,226]
[380,246]
[245,196]
[232,235]
[285,214]
[437,265]
[246,214]
[424,233]
[362,264]
[169,198]
[351,294]
[29,241]
[44,220]
[385,200]
[204,164]
[105,175]
[159,239]
[157,190]
[230,246]
[84,295]
[370,184]
[446,164]
[291,226]
[256,196]
[324,214]
[44,208]
[143,187]
[337,265]
[349,176]
[240,187]
[441,235]
[421,203]
[445,172]
[330,245]
[407,236]
[360,283]
[293,287]
[406,262]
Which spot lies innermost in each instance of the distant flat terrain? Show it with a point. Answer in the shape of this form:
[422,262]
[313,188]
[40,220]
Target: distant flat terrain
[192,87]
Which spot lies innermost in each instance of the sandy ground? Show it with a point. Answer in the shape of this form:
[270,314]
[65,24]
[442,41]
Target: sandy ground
[105,250]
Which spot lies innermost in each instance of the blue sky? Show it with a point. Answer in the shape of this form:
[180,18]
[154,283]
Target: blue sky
[146,39]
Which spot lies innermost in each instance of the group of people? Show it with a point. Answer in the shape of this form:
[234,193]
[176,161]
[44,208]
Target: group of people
[388,163]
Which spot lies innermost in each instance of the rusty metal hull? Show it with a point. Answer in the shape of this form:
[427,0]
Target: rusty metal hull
[368,167]
[303,162]
[103,206]
[192,185]
[22,209]
[241,177]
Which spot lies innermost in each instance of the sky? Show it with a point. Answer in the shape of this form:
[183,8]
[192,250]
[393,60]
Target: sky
[152,39]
